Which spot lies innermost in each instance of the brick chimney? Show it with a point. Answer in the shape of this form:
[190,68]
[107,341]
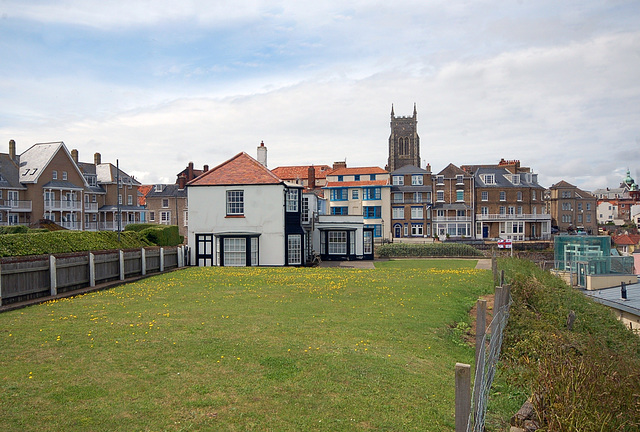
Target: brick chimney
[97,159]
[190,174]
[12,149]
[182,181]
[340,164]
[311,177]
[206,168]
[262,154]
[74,155]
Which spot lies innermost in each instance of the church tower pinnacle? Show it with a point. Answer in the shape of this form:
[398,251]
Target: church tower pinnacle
[404,142]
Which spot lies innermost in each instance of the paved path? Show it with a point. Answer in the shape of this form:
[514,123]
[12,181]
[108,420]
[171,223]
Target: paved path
[483,264]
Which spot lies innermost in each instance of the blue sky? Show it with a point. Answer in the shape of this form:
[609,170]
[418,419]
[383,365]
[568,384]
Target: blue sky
[157,84]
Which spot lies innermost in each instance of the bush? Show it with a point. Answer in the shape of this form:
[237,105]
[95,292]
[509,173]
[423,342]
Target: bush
[67,241]
[137,227]
[427,250]
[162,235]
[15,229]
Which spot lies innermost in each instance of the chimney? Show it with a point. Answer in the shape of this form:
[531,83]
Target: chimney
[74,155]
[190,174]
[623,291]
[262,154]
[340,164]
[182,181]
[206,168]
[311,177]
[97,159]
[428,168]
[12,149]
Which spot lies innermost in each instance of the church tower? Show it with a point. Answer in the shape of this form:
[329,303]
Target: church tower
[404,142]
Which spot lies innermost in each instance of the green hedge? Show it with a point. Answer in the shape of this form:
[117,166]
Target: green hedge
[162,235]
[14,229]
[426,250]
[67,241]
[137,227]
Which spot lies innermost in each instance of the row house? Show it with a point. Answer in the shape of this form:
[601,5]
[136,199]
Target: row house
[572,208]
[361,191]
[310,176]
[48,182]
[615,205]
[509,202]
[411,202]
[454,203]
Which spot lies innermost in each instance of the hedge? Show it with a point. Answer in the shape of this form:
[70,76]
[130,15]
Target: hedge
[427,250]
[67,241]
[162,235]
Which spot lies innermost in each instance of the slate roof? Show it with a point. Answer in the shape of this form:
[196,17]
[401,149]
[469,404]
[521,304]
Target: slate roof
[61,184]
[409,169]
[9,173]
[106,173]
[612,297]
[36,158]
[502,178]
[301,171]
[169,190]
[451,171]
[241,169]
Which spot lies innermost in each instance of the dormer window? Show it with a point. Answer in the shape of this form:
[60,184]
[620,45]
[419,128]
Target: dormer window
[340,178]
[489,179]
[515,179]
[158,188]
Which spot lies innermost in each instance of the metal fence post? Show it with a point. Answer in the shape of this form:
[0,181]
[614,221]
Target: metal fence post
[53,275]
[143,261]
[463,396]
[161,259]
[92,269]
[121,264]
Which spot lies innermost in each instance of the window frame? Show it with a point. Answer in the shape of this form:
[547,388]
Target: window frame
[235,202]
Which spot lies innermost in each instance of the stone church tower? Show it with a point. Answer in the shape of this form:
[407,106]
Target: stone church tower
[404,142]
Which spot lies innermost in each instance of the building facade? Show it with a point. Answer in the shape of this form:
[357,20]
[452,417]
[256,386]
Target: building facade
[453,206]
[572,208]
[411,202]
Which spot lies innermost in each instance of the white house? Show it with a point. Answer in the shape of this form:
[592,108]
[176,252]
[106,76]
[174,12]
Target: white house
[241,214]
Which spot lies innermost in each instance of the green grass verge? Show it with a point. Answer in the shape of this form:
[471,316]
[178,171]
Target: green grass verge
[588,379]
[245,349]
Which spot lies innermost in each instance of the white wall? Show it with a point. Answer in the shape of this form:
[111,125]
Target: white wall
[263,213]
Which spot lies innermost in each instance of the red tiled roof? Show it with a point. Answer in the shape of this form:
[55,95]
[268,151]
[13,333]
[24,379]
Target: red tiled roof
[623,240]
[241,169]
[300,171]
[364,183]
[143,190]
[357,171]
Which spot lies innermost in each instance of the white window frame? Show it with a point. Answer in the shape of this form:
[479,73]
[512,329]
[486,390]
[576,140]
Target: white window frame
[417,180]
[398,180]
[165,217]
[292,200]
[294,249]
[398,212]
[417,213]
[235,202]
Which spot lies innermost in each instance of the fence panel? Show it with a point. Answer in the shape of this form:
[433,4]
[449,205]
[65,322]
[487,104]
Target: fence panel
[24,279]
[107,266]
[170,258]
[153,260]
[132,263]
[72,272]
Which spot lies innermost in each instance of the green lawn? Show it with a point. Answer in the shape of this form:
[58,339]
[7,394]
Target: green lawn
[245,349]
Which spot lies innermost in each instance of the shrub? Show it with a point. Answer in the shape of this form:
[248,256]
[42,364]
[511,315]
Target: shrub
[427,250]
[15,229]
[162,235]
[137,227]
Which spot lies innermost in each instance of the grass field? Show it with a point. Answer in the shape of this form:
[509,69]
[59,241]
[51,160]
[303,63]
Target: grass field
[245,349]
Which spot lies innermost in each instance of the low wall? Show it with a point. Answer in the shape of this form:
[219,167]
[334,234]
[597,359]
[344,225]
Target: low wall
[596,282]
[26,278]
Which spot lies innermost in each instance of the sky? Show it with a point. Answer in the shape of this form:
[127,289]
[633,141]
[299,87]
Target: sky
[158,84]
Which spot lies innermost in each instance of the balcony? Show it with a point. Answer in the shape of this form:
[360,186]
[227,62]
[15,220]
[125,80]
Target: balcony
[18,206]
[70,225]
[64,205]
[410,201]
[90,207]
[112,225]
[500,217]
[452,219]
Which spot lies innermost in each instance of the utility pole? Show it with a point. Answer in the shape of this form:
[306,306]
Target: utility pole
[118,197]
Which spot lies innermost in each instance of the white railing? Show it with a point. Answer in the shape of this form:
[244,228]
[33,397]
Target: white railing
[112,225]
[18,206]
[70,225]
[55,205]
[91,226]
[90,207]
[488,217]
[452,219]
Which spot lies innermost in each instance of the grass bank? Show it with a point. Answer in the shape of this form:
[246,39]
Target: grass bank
[245,349]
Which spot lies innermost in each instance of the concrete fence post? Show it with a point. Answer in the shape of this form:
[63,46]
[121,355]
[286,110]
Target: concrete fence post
[121,264]
[180,256]
[143,261]
[92,269]
[161,259]
[53,275]
[463,396]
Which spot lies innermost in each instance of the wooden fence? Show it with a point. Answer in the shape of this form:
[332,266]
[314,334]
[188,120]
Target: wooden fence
[25,278]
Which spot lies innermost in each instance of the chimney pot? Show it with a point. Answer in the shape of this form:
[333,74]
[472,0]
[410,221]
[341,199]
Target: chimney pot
[206,168]
[12,149]
[262,154]
[74,155]
[97,159]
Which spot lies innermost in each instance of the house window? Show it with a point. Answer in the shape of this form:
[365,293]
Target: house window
[371,212]
[94,198]
[372,193]
[533,195]
[235,203]
[398,180]
[129,199]
[588,217]
[356,177]
[459,195]
[185,217]
[428,197]
[566,206]
[579,206]
[503,210]
[417,197]
[484,195]
[355,194]
[439,195]
[503,196]
[579,218]
[519,197]
[372,177]
[152,216]
[484,210]
[339,194]
[398,197]
[54,175]
[416,230]
[512,210]
[377,229]
[398,212]
[337,242]
[165,202]
[158,188]
[417,213]
[340,178]
[439,179]
[165,217]
[292,200]
[588,206]
[515,179]
[459,179]
[64,175]
[368,242]
[342,211]
[294,251]
[441,213]
[305,209]
[120,199]
[417,180]
[519,210]
[235,252]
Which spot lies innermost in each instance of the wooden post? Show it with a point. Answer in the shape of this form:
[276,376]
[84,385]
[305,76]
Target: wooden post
[481,325]
[161,259]
[497,300]
[501,277]
[494,266]
[92,269]
[0,285]
[121,264]
[53,275]
[463,396]
[143,261]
